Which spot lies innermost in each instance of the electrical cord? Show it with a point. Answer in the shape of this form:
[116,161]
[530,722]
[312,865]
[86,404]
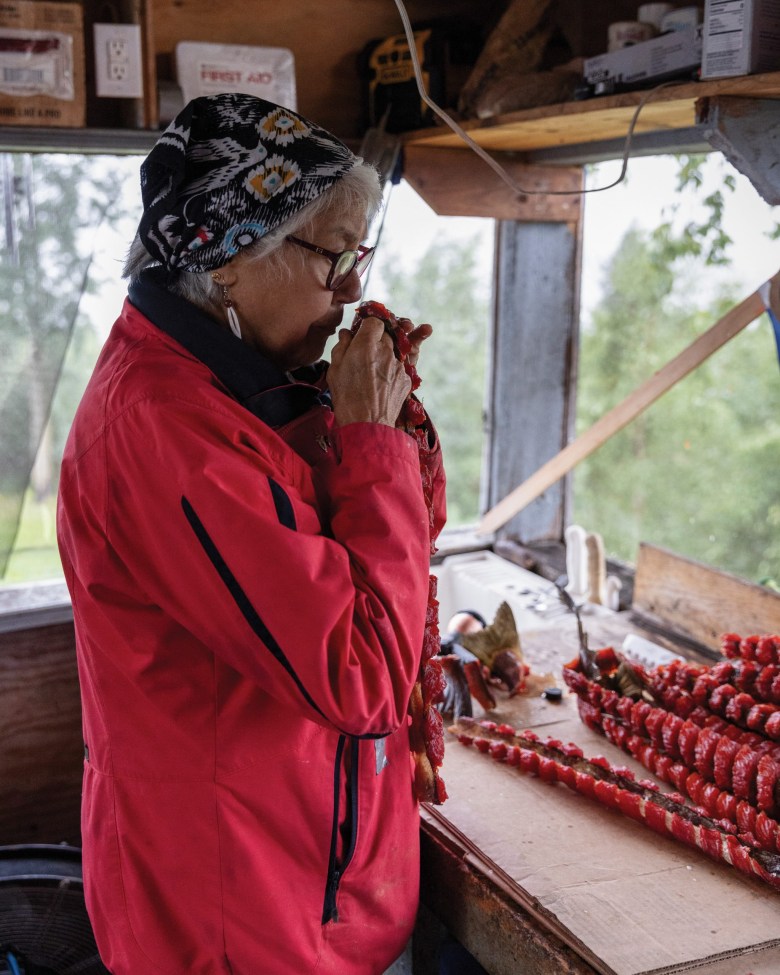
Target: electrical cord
[496,166]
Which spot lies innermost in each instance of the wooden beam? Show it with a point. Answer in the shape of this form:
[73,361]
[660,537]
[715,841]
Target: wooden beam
[458,183]
[733,322]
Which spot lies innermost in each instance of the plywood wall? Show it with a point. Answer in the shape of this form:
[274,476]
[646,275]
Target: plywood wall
[327,37]
[585,22]
[40,728]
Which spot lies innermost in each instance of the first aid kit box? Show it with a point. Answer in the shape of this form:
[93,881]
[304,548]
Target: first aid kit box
[212,69]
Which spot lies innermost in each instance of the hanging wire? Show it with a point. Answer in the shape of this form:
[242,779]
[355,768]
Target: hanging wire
[493,163]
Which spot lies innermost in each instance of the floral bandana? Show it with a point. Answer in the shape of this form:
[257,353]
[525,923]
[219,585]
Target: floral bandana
[225,172]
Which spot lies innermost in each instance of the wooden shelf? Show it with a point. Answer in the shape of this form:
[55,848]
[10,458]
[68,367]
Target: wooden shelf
[601,119]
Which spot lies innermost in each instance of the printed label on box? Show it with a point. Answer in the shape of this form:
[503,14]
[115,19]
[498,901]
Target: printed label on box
[36,62]
[213,77]
[726,26]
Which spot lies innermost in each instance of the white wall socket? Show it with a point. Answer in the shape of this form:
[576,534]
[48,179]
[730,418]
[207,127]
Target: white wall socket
[118,72]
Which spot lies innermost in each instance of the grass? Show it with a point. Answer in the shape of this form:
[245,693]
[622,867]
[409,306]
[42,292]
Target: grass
[35,556]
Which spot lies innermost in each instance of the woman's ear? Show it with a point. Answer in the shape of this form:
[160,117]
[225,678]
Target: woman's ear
[226,276]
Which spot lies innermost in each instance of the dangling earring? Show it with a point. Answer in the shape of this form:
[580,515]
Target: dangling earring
[227,301]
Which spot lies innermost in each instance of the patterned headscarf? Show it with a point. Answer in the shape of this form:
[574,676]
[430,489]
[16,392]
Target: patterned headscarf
[227,170]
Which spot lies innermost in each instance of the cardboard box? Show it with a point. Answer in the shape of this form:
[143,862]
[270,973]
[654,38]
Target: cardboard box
[42,64]
[210,69]
[740,37]
[668,56]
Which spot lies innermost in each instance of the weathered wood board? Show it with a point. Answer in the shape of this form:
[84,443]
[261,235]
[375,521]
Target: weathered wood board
[476,911]
[460,184]
[40,728]
[575,122]
[530,406]
[687,597]
[326,40]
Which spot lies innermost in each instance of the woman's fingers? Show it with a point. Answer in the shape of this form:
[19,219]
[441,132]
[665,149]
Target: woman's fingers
[367,382]
[339,349]
[416,336]
[371,329]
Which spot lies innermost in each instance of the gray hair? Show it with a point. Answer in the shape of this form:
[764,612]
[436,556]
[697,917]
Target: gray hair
[359,189]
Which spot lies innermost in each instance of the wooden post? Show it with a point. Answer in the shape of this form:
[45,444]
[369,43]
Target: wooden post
[532,366]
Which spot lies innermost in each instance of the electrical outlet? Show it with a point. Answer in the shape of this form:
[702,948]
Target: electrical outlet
[118,72]
[118,50]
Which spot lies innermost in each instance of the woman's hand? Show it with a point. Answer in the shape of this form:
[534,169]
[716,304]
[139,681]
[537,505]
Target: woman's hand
[367,383]
[416,336]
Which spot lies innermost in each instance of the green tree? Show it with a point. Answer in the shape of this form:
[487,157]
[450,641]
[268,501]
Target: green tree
[53,206]
[446,291]
[697,472]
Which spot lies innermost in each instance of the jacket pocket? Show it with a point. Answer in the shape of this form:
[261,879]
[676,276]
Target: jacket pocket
[344,826]
[283,505]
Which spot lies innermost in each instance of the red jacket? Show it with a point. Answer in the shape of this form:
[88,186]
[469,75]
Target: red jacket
[249,607]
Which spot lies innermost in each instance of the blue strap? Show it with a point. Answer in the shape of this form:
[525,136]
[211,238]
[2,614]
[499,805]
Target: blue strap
[776,326]
[763,292]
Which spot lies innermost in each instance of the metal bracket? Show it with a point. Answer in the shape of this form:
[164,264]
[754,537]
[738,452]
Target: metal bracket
[747,132]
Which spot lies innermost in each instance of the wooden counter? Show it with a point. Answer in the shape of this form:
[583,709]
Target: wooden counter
[535,879]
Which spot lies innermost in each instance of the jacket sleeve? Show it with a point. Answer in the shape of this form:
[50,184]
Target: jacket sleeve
[227,539]
[432,459]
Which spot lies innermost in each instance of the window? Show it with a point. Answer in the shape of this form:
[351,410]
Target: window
[67,224]
[440,270]
[697,472]
[69,221]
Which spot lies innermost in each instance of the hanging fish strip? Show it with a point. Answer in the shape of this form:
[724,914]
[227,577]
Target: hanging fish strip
[615,787]
[426,733]
[692,727]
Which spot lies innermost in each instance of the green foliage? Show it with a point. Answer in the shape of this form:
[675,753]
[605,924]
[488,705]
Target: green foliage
[57,203]
[698,238]
[697,472]
[54,207]
[35,556]
[445,290]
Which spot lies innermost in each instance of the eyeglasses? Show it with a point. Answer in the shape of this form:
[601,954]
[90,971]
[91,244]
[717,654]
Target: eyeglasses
[341,265]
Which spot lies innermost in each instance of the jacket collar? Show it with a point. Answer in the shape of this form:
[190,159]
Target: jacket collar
[274,397]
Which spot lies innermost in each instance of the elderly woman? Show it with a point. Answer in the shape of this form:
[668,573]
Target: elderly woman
[246,543]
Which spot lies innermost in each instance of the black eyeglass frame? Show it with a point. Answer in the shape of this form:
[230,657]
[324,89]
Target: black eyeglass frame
[360,259]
